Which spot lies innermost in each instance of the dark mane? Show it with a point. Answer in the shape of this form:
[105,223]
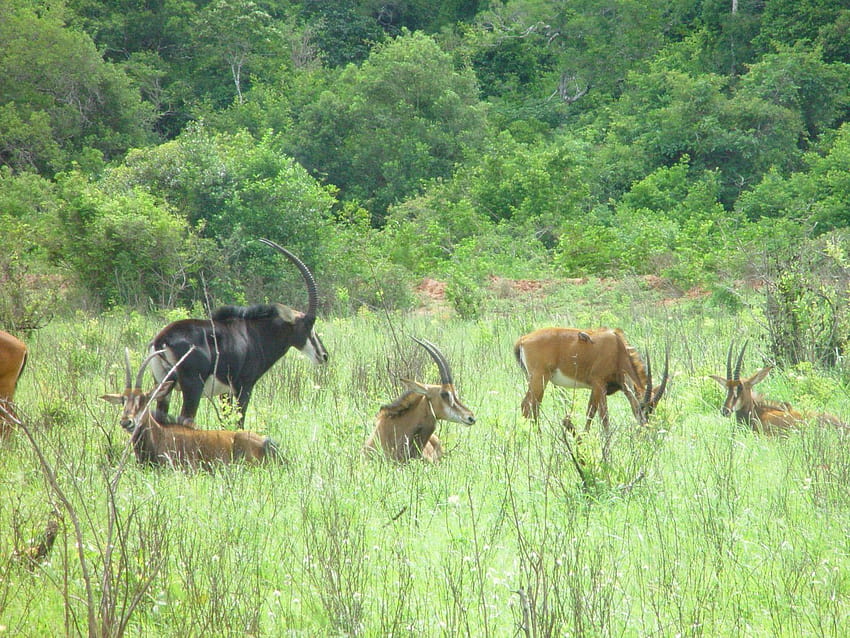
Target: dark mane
[259,311]
[635,358]
[403,404]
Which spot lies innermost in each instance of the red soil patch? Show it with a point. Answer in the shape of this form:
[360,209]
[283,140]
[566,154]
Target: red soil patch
[432,289]
[433,292]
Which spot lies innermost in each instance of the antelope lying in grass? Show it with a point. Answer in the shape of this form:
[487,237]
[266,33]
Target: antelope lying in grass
[404,429]
[13,358]
[600,360]
[763,416]
[158,444]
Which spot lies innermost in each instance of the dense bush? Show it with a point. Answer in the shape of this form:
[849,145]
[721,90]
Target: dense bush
[384,144]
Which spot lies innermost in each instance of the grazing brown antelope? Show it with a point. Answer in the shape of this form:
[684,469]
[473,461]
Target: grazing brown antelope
[156,444]
[600,360]
[763,416]
[404,429]
[229,352]
[13,358]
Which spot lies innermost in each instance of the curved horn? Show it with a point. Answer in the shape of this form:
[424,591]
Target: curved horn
[312,291]
[663,385]
[729,361]
[647,393]
[439,359]
[128,374]
[736,375]
[141,374]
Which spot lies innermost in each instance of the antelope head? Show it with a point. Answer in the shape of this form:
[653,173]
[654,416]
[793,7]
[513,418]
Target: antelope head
[652,396]
[442,398]
[739,392]
[136,402]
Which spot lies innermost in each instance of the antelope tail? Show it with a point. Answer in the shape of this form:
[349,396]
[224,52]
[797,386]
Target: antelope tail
[520,358]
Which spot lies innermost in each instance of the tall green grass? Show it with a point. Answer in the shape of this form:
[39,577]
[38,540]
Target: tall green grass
[693,527]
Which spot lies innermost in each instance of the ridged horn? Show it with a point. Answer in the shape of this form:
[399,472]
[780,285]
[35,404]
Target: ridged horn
[647,393]
[312,291]
[141,374]
[729,361]
[736,375]
[664,377]
[439,359]
[128,373]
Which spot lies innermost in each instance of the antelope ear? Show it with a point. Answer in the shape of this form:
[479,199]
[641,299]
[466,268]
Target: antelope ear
[414,386]
[114,399]
[760,375]
[719,380]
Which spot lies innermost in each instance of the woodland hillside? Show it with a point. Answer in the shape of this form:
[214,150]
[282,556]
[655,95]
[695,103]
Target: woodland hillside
[145,145]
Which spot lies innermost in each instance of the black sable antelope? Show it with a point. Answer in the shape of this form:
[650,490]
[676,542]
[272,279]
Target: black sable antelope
[234,348]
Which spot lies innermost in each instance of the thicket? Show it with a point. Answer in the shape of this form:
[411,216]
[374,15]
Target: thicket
[144,148]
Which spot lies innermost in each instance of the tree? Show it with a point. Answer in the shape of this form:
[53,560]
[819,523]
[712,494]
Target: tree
[126,248]
[58,98]
[817,197]
[236,32]
[342,31]
[797,78]
[405,116]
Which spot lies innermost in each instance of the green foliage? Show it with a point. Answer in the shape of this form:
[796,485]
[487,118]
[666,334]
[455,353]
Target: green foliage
[235,189]
[666,224]
[233,37]
[341,30]
[127,248]
[799,80]
[464,293]
[807,296]
[811,22]
[424,232]
[378,138]
[817,196]
[741,135]
[479,138]
[357,273]
[58,95]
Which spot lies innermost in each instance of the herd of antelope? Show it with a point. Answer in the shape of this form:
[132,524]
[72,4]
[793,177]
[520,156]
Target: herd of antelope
[229,352]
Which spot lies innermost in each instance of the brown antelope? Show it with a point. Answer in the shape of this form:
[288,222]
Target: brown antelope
[600,360]
[763,416]
[156,444]
[13,358]
[404,429]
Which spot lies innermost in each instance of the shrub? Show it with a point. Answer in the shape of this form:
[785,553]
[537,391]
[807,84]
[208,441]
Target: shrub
[807,301]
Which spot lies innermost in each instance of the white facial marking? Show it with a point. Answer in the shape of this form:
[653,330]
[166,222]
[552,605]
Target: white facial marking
[309,351]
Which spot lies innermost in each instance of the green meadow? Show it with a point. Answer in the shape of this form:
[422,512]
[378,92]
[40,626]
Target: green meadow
[694,526]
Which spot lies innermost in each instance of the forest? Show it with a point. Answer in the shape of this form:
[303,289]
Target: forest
[145,146]
[453,175]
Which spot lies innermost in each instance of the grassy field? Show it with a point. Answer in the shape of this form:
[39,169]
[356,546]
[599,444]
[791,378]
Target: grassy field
[694,527]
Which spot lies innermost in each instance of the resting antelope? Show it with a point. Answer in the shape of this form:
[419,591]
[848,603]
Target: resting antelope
[156,444]
[13,358]
[600,360]
[763,416]
[404,429]
[234,348]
